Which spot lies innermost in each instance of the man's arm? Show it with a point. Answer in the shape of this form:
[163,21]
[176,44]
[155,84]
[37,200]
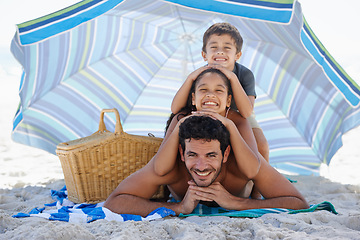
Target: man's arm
[276,189]
[216,192]
[130,204]
[133,194]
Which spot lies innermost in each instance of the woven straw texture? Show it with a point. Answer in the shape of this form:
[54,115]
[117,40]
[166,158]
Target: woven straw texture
[94,166]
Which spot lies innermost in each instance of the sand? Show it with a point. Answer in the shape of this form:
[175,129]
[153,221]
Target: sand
[27,175]
[317,225]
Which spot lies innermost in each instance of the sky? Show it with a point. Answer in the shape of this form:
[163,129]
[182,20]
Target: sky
[334,23]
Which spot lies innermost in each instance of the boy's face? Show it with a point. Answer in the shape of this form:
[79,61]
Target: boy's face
[221,50]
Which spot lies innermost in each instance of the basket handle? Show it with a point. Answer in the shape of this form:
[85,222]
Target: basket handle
[118,127]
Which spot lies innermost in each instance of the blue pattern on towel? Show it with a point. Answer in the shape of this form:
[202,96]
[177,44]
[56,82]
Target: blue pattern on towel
[65,210]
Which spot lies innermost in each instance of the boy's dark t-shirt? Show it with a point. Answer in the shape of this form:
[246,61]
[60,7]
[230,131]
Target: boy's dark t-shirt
[246,79]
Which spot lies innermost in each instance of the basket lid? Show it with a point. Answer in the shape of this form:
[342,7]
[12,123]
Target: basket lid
[93,139]
[97,137]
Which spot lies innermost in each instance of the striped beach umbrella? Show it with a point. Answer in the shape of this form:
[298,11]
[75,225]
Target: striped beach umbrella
[133,55]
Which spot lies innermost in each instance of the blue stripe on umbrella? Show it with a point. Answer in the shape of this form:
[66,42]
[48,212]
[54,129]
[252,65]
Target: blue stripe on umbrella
[59,17]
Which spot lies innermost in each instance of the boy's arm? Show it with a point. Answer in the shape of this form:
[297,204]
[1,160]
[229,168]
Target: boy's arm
[182,94]
[242,101]
[252,100]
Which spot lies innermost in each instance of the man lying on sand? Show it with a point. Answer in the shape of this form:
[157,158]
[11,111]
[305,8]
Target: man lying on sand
[204,172]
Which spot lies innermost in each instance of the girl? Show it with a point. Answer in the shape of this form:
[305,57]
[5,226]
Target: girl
[211,94]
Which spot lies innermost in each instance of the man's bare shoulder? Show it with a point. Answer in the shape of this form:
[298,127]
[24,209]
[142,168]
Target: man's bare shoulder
[273,184]
[145,182]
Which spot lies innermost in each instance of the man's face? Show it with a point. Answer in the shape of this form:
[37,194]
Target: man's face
[203,160]
[221,50]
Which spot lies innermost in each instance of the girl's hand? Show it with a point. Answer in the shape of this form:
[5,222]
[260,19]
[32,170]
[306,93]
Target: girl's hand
[213,115]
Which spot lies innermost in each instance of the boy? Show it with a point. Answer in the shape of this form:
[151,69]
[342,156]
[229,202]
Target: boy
[222,45]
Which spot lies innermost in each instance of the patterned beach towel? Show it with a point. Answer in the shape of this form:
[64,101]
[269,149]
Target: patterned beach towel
[64,210]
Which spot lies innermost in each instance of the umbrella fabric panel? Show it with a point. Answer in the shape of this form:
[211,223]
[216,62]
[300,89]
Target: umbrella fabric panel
[91,82]
[347,86]
[249,9]
[154,102]
[287,145]
[63,20]
[136,54]
[301,103]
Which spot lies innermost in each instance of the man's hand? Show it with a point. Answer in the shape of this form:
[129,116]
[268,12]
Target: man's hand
[217,193]
[191,199]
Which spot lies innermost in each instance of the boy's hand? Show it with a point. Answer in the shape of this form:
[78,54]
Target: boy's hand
[192,76]
[229,74]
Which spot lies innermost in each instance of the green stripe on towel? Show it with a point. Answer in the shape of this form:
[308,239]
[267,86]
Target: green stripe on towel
[202,210]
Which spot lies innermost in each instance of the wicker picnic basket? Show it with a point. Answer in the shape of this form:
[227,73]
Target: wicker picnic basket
[93,166]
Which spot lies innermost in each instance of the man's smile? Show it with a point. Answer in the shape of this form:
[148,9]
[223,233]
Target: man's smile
[202,173]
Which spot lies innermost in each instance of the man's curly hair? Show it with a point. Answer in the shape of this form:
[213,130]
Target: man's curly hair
[206,128]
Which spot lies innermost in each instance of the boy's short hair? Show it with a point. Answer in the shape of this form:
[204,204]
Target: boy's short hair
[204,128]
[223,28]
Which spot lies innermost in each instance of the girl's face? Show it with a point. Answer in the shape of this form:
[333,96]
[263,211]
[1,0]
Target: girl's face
[211,93]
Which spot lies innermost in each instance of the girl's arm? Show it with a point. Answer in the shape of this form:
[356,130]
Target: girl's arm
[244,128]
[246,158]
[182,94]
[165,159]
